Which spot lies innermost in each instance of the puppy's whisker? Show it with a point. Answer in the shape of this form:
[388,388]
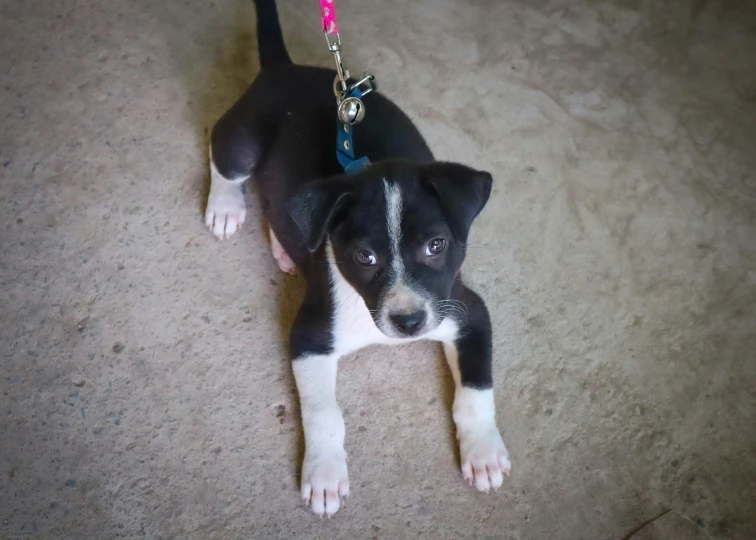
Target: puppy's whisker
[453,305]
[346,300]
[455,309]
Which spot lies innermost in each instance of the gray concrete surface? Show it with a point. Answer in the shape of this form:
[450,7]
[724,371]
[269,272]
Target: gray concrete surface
[145,390]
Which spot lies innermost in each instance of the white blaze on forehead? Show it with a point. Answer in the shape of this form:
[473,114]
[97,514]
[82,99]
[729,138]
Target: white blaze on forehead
[394,225]
[404,296]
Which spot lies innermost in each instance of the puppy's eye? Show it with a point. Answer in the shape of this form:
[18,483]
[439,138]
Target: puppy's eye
[365,257]
[435,246]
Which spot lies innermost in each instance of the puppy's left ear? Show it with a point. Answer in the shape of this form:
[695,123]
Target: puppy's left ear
[314,206]
[462,192]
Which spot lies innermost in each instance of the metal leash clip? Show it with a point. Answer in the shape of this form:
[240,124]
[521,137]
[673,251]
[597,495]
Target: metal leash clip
[351,109]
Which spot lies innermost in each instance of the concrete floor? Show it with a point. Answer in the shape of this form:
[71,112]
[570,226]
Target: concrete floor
[145,387]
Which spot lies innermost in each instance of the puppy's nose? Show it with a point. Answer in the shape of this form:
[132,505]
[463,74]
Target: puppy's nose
[408,323]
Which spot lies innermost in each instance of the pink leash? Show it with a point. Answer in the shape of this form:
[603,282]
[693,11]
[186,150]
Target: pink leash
[350,108]
[328,14]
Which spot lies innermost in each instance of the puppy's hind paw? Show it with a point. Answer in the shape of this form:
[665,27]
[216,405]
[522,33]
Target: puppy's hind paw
[226,210]
[279,254]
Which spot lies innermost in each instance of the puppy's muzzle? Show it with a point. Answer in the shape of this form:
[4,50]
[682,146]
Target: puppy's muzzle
[409,324]
[406,312]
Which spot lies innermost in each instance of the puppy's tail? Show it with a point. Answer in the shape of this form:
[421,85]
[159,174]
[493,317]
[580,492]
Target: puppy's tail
[270,40]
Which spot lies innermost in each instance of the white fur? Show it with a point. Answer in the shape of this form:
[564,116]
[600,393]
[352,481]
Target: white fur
[393,197]
[282,258]
[484,457]
[324,471]
[452,358]
[226,209]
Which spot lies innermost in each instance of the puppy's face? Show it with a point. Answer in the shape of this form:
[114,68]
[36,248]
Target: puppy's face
[395,247]
[398,233]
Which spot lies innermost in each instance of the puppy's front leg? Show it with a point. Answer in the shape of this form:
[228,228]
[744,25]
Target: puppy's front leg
[324,471]
[484,457]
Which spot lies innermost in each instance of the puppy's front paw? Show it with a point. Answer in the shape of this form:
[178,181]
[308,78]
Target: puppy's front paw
[485,459]
[226,209]
[325,482]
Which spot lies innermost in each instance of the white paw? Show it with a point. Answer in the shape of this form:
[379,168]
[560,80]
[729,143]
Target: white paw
[485,459]
[282,258]
[226,209]
[325,482]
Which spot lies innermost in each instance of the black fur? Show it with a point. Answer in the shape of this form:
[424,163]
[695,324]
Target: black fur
[271,47]
[474,342]
[282,131]
[311,331]
[462,194]
[316,205]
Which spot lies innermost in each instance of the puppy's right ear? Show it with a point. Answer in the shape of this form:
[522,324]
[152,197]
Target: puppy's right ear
[314,206]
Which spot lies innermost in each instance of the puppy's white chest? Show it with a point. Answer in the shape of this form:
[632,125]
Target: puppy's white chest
[353,326]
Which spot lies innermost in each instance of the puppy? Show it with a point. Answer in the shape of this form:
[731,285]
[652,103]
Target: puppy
[381,250]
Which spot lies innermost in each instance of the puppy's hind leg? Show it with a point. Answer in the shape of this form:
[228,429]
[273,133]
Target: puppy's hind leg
[226,208]
[235,149]
[279,254]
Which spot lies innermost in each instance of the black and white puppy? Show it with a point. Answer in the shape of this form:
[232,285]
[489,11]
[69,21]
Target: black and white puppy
[381,250]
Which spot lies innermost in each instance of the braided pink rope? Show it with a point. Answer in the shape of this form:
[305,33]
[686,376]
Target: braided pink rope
[328,14]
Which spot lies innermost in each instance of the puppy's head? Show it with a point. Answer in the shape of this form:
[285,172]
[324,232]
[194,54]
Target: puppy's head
[398,232]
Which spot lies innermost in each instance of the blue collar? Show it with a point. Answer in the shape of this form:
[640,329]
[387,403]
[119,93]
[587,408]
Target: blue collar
[345,144]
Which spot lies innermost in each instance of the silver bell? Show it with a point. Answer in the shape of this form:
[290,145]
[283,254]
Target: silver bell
[351,111]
